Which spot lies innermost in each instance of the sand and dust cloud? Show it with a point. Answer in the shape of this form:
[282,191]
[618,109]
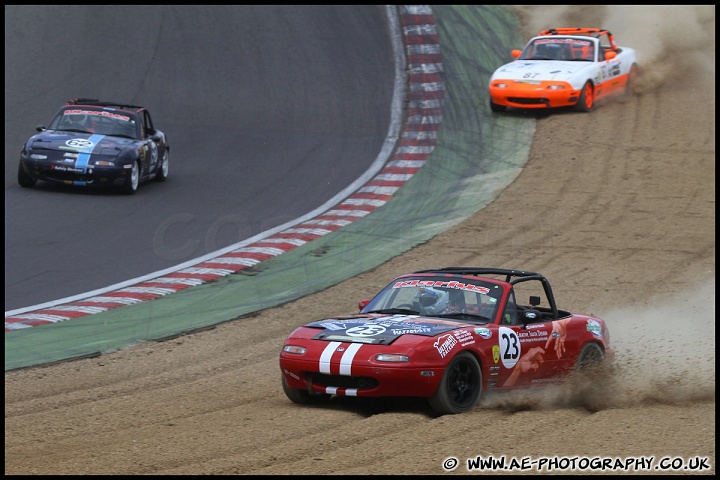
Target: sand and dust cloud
[672,42]
[665,354]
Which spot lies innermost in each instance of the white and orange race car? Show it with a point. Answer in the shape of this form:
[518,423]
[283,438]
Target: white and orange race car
[564,67]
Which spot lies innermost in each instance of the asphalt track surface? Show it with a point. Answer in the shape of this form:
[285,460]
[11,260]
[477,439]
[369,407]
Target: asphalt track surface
[270,111]
[478,158]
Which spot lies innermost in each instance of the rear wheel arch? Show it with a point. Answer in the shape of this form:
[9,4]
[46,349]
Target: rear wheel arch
[591,355]
[163,167]
[631,85]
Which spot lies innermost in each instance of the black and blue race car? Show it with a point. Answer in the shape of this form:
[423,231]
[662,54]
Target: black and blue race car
[96,143]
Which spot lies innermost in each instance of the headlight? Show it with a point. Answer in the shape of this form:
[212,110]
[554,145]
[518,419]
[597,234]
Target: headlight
[294,349]
[103,163]
[556,87]
[37,156]
[500,85]
[391,357]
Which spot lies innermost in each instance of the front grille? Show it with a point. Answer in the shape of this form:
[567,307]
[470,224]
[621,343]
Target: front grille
[343,381]
[61,176]
[527,101]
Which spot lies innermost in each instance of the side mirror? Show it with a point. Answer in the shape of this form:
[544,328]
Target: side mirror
[363,304]
[516,53]
[40,128]
[534,300]
[610,55]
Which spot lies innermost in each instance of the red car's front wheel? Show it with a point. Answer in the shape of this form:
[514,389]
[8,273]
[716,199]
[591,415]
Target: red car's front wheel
[302,397]
[460,387]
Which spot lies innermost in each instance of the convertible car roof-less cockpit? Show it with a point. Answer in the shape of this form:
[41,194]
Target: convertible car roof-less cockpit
[446,335]
[564,67]
[96,143]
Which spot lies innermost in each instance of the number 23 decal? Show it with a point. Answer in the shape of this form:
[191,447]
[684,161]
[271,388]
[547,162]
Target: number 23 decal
[509,346]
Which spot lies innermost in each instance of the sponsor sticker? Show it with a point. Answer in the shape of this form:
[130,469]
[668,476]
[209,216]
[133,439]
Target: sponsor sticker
[367,330]
[496,353]
[594,327]
[347,338]
[96,113]
[464,337]
[80,144]
[62,168]
[437,283]
[445,344]
[288,372]
[485,333]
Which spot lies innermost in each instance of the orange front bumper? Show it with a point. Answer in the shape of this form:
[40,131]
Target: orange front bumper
[533,94]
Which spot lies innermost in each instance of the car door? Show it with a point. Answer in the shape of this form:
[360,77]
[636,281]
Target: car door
[610,70]
[524,359]
[521,348]
[149,147]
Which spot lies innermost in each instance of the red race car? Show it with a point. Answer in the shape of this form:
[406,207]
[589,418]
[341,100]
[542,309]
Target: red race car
[447,335]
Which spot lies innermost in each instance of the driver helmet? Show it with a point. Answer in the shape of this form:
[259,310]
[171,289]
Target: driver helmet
[432,300]
[76,119]
[553,50]
[549,50]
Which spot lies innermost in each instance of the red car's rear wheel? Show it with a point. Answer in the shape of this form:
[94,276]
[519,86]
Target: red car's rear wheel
[591,356]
